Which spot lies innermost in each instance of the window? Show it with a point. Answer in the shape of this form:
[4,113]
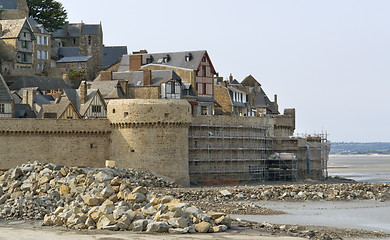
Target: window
[38,40]
[204,59]
[74,41]
[47,55]
[46,42]
[204,71]
[39,54]
[79,65]
[2,108]
[89,40]
[96,109]
[24,34]
[24,44]
[24,59]
[160,60]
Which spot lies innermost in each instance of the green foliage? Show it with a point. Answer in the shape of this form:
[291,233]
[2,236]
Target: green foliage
[347,148]
[76,75]
[50,13]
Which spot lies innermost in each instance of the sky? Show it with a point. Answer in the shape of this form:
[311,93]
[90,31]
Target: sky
[328,59]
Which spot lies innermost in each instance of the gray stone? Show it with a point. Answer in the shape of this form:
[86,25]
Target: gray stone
[203,227]
[16,173]
[159,227]
[225,193]
[139,225]
[105,221]
[102,177]
[180,222]
[178,230]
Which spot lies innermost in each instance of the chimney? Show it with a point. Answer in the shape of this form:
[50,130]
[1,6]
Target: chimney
[66,28]
[135,62]
[276,102]
[29,98]
[106,75]
[147,77]
[230,78]
[83,92]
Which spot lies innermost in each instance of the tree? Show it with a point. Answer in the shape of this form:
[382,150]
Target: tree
[50,13]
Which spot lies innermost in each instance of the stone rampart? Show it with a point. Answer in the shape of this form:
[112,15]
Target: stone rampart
[70,142]
[152,135]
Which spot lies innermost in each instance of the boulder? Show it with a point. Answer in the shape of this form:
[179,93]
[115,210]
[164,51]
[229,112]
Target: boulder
[159,227]
[203,227]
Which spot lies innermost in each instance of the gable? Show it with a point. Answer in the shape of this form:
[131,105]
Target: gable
[13,28]
[5,94]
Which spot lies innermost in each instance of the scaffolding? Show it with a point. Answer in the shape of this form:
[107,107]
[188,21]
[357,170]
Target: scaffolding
[228,148]
[282,167]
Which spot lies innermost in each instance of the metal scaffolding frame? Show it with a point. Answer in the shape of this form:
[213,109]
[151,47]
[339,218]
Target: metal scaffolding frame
[227,150]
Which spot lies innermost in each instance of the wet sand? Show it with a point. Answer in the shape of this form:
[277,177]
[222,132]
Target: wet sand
[364,214]
[363,168]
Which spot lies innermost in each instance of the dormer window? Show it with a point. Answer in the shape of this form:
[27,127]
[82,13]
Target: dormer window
[160,60]
[188,57]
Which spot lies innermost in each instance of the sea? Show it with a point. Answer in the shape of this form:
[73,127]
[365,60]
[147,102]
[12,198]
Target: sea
[362,214]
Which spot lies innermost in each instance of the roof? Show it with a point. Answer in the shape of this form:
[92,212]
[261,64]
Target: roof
[90,29]
[24,111]
[108,89]
[5,94]
[235,103]
[74,59]
[112,55]
[12,28]
[36,27]
[74,96]
[136,78]
[73,30]
[43,83]
[185,60]
[262,101]
[9,4]
[58,108]
[68,51]
[250,81]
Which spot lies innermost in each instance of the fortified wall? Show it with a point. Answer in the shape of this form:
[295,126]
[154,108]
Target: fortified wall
[161,136]
[144,134]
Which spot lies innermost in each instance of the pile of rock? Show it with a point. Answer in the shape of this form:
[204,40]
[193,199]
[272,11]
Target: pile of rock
[87,198]
[301,192]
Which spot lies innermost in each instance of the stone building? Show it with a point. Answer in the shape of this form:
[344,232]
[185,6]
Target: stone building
[88,38]
[193,67]
[6,100]
[13,9]
[16,44]
[41,46]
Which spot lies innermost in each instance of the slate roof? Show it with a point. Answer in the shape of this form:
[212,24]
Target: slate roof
[174,59]
[262,101]
[74,59]
[108,89]
[136,78]
[235,103]
[24,111]
[5,94]
[12,28]
[112,55]
[68,51]
[90,29]
[73,30]
[74,96]
[35,26]
[9,4]
[43,83]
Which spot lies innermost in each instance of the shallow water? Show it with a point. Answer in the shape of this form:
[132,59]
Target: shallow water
[367,214]
[363,168]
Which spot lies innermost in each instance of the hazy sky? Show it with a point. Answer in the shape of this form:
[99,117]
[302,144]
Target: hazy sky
[328,59]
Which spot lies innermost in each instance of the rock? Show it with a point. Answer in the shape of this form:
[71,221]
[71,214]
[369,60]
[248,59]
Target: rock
[89,223]
[180,222]
[90,200]
[16,173]
[224,220]
[240,196]
[64,189]
[140,189]
[178,230]
[139,225]
[225,193]
[105,221]
[193,211]
[159,227]
[26,186]
[135,197]
[102,177]
[215,215]
[301,194]
[107,191]
[202,227]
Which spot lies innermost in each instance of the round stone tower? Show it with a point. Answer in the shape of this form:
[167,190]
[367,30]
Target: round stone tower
[152,135]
